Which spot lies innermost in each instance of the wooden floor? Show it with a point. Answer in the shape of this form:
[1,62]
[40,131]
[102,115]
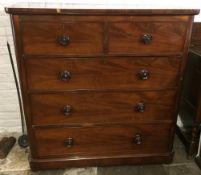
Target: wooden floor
[16,164]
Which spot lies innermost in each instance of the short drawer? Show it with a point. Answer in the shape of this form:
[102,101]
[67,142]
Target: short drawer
[47,38]
[102,141]
[102,107]
[147,37]
[102,73]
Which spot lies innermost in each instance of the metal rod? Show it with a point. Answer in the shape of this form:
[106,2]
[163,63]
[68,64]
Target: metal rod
[17,87]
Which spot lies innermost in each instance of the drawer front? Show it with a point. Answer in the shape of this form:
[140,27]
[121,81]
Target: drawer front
[108,73]
[42,38]
[102,140]
[147,37]
[102,107]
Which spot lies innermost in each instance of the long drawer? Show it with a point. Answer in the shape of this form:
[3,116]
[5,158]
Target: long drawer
[102,140]
[102,107]
[102,73]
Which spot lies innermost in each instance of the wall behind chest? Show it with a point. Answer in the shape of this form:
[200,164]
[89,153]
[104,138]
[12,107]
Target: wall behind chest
[9,109]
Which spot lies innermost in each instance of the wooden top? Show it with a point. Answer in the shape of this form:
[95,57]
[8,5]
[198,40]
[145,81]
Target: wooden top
[97,9]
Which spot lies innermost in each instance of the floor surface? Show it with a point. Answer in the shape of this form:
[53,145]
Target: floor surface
[16,163]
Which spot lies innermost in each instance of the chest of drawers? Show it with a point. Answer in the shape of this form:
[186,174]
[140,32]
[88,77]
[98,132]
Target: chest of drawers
[100,87]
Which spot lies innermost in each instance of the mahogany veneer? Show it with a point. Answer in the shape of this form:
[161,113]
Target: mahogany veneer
[102,73]
[105,107]
[100,87]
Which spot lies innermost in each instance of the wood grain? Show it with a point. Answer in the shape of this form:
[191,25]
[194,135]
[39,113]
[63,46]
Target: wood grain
[127,37]
[101,141]
[105,73]
[42,38]
[102,107]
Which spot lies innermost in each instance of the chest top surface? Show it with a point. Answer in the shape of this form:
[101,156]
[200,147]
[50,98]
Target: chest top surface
[97,8]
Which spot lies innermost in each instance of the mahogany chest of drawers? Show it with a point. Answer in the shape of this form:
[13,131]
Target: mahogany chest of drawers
[100,87]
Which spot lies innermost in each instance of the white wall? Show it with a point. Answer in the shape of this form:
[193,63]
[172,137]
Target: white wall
[9,109]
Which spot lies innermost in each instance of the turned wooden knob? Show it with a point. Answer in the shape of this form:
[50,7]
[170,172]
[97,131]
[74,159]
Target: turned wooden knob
[147,38]
[137,139]
[144,74]
[140,107]
[67,110]
[65,75]
[69,142]
[63,40]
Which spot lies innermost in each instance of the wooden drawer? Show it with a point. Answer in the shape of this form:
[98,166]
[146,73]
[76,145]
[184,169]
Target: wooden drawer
[102,107]
[102,141]
[147,37]
[47,38]
[102,73]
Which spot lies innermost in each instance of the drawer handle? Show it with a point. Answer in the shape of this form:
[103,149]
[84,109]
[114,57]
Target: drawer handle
[147,38]
[67,110]
[144,74]
[69,142]
[64,40]
[140,107]
[65,75]
[137,139]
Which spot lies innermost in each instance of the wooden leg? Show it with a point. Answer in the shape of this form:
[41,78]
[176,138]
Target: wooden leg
[190,140]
